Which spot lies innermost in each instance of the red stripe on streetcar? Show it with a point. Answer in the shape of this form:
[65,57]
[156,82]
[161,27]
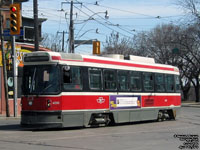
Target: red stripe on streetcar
[161,101]
[126,64]
[56,58]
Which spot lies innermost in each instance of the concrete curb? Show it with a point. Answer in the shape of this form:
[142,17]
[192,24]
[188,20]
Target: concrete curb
[9,118]
[191,104]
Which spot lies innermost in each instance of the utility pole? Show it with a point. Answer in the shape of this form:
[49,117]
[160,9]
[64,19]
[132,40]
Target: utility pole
[71,30]
[71,26]
[4,67]
[36,28]
[63,40]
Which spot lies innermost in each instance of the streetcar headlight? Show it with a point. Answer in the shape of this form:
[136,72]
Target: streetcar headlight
[48,103]
[30,103]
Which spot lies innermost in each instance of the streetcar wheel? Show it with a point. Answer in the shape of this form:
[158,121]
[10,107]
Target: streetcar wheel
[172,114]
[160,116]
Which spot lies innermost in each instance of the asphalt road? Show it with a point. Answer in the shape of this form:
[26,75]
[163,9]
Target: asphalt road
[138,136]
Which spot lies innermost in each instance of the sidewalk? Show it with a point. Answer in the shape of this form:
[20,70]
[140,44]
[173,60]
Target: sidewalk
[190,104]
[9,118]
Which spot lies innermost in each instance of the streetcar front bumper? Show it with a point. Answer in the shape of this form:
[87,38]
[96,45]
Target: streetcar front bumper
[41,119]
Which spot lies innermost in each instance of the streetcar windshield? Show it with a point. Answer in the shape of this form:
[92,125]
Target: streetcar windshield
[41,79]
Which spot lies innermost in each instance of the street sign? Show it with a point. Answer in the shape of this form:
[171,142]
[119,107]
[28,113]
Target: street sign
[7,32]
[83,42]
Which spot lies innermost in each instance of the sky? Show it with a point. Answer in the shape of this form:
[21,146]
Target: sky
[126,17]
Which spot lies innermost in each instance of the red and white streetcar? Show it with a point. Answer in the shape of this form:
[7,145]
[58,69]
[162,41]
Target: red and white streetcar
[69,90]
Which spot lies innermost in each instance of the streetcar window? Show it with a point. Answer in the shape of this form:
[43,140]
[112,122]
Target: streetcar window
[148,81]
[159,82]
[95,79]
[135,81]
[123,80]
[177,82]
[109,80]
[41,79]
[36,58]
[72,79]
[169,81]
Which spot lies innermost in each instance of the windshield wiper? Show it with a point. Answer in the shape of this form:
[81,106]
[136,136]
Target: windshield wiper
[33,80]
[50,85]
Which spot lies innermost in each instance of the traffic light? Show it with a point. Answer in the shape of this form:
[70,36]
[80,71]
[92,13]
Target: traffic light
[96,47]
[15,19]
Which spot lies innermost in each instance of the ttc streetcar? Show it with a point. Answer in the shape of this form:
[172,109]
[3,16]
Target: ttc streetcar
[73,90]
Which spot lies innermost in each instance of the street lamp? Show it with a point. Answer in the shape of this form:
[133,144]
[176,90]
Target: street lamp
[106,15]
[96,31]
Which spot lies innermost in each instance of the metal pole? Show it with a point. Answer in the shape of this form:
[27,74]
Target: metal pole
[71,30]
[36,28]
[15,67]
[4,68]
[14,72]
[63,41]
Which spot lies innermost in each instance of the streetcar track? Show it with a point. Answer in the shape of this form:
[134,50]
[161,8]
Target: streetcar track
[44,144]
[113,134]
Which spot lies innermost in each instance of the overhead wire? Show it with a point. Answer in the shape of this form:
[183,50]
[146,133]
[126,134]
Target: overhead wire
[132,12]
[164,18]
[81,29]
[120,10]
[108,22]
[167,18]
[101,23]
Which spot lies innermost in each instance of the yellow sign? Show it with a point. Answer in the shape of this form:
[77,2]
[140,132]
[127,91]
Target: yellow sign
[1,63]
[19,53]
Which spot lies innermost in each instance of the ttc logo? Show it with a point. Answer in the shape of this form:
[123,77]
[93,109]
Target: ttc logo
[101,100]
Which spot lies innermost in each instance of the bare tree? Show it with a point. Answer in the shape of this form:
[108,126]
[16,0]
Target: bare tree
[192,40]
[168,44]
[125,46]
[192,57]
[162,42]
[115,45]
[190,6]
[52,41]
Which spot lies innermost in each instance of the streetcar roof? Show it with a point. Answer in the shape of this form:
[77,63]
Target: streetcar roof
[137,61]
